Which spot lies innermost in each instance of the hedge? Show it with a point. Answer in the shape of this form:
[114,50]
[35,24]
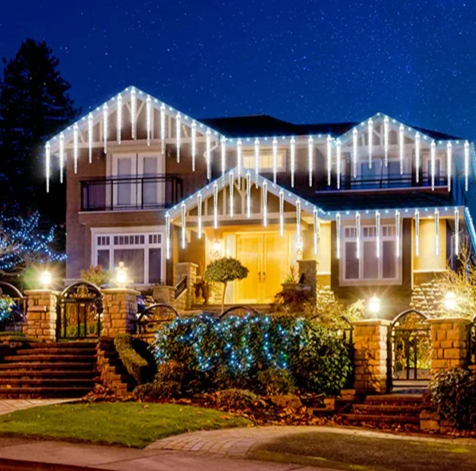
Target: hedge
[132,361]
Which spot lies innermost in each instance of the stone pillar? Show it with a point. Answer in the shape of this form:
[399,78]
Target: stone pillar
[119,311]
[189,270]
[164,294]
[41,314]
[308,268]
[371,350]
[449,343]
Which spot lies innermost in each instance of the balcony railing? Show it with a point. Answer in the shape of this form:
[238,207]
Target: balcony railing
[130,193]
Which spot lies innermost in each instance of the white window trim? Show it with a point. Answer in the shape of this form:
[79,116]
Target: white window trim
[132,230]
[282,154]
[375,281]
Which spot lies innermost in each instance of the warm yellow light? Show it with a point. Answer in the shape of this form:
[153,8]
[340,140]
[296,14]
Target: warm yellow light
[45,279]
[216,250]
[450,301]
[374,305]
[121,275]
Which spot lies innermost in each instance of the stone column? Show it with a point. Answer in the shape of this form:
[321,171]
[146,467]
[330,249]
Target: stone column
[119,311]
[371,350]
[449,343]
[308,268]
[189,270]
[41,314]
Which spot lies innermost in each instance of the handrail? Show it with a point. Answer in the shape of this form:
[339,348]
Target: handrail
[180,287]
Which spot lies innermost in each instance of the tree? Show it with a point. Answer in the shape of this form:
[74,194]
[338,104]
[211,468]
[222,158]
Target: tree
[34,106]
[224,270]
[23,245]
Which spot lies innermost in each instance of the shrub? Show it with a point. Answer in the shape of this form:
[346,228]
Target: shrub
[236,398]
[275,381]
[453,395]
[95,275]
[135,365]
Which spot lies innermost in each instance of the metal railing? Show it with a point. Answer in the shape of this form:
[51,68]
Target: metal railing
[123,193]
[180,287]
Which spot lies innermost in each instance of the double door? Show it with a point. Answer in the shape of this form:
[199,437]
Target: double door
[267,256]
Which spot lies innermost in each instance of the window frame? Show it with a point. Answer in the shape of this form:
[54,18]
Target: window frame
[282,154]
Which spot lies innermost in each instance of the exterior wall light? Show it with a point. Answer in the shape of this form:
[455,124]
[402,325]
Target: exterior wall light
[121,275]
[216,250]
[450,301]
[45,279]
[374,305]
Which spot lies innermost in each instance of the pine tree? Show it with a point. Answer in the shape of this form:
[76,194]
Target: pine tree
[34,105]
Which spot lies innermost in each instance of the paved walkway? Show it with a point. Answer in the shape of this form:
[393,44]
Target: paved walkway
[11,405]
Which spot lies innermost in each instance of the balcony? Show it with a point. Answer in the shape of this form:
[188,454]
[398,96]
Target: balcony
[131,193]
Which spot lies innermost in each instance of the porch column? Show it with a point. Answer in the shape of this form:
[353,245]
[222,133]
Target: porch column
[41,314]
[449,343]
[308,268]
[371,351]
[189,270]
[119,311]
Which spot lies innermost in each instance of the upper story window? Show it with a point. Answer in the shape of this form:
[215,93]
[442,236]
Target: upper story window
[365,263]
[266,160]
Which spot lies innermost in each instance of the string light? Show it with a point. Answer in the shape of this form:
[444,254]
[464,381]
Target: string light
[208,139]
[119,119]
[417,232]
[310,150]
[75,147]
[215,205]
[275,160]
[456,231]
[377,234]
[47,166]
[194,144]
[316,229]
[133,113]
[162,128]
[386,130]
[105,125]
[239,160]
[338,161]
[417,156]
[257,166]
[370,125]
[401,146]
[357,233]
[298,223]
[437,232]
[293,160]
[61,156]
[167,235]
[432,164]
[148,110]
[232,184]
[178,134]
[265,204]
[90,136]
[183,209]
[466,165]
[223,156]
[449,163]
[338,235]
[329,160]
[248,195]
[199,214]
[398,229]
[355,150]
[281,213]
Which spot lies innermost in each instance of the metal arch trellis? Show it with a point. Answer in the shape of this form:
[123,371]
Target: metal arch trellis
[155,315]
[409,350]
[239,311]
[79,311]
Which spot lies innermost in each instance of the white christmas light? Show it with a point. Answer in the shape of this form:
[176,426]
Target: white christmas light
[239,160]
[377,234]
[449,163]
[386,131]
[298,223]
[47,166]
[329,160]
[148,110]
[281,212]
[397,225]
[338,230]
[183,210]
[90,136]
[256,161]
[316,229]
[178,134]
[293,160]
[417,232]
[199,214]
[162,128]
[466,165]
[75,147]
[265,204]
[208,139]
[119,119]
[401,146]
[338,161]
[456,231]
[61,155]
[310,151]
[167,235]
[357,232]
[215,205]
[232,185]
[133,112]
[275,160]
[437,232]
[194,144]
[355,150]
[105,130]
[432,164]
[417,156]
[223,156]
[248,195]
[370,125]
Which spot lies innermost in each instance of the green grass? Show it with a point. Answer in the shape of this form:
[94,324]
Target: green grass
[352,452]
[126,424]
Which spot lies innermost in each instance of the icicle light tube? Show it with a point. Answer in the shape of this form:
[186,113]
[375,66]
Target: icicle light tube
[449,163]
[75,147]
[310,151]
[265,204]
[377,234]
[355,150]
[398,230]
[162,128]
[357,234]
[433,164]
[466,165]
[148,111]
[215,205]
[239,160]
[119,119]
[293,160]
[199,214]
[194,144]
[338,235]
[417,155]
[329,160]
[90,137]
[133,112]
[370,130]
[208,140]
[401,146]
[256,162]
[316,229]
[417,233]
[167,236]
[105,130]
[275,160]
[298,224]
[248,195]
[386,130]
[281,212]
[456,231]
[223,156]
[61,156]
[338,162]
[231,195]
[47,166]
[437,232]
[183,209]
[178,134]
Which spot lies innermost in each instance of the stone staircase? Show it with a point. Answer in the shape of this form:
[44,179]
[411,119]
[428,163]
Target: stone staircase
[389,411]
[49,370]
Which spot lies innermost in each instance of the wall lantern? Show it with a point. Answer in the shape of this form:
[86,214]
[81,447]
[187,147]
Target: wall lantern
[216,249]
[374,305]
[121,275]
[450,301]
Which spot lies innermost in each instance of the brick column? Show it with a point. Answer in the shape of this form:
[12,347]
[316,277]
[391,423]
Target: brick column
[371,349]
[308,268]
[119,311]
[41,314]
[189,270]
[449,343]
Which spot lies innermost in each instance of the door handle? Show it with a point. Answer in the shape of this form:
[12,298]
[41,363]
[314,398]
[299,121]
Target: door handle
[259,276]
[264,276]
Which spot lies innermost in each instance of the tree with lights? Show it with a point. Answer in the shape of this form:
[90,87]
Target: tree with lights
[224,270]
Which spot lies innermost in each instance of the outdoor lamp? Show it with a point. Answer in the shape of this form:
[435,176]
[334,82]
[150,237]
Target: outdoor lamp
[45,279]
[450,301]
[374,305]
[216,249]
[121,275]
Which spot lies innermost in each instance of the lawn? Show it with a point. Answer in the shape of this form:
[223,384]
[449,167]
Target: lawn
[126,424]
[352,452]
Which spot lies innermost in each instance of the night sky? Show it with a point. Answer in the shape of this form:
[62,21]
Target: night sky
[299,60]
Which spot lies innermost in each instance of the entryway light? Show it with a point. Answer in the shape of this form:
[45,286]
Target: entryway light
[450,301]
[374,305]
[45,279]
[121,275]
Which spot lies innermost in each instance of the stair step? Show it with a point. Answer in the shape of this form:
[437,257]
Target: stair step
[48,374]
[58,366]
[73,382]
[43,392]
[52,358]
[71,344]
[389,399]
[380,418]
[56,351]
[387,409]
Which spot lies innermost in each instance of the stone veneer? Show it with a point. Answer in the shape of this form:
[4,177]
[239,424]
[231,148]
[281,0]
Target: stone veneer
[41,314]
[189,270]
[119,311]
[308,268]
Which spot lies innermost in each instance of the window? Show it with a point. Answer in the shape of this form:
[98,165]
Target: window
[362,262]
[266,160]
[142,254]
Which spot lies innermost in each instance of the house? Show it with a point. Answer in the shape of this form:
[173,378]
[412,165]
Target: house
[379,205]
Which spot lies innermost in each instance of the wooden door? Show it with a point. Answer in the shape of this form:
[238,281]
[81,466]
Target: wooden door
[275,265]
[248,250]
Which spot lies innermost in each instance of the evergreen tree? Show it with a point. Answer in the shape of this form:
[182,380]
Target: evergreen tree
[34,106]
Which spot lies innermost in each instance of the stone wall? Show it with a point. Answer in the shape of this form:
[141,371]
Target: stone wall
[189,270]
[308,270]
[119,311]
[41,314]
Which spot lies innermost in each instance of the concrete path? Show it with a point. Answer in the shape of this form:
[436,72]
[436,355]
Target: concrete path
[11,405]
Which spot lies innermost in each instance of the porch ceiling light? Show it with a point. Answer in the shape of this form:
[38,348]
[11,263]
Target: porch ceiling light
[121,275]
[45,279]
[450,301]
[374,305]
